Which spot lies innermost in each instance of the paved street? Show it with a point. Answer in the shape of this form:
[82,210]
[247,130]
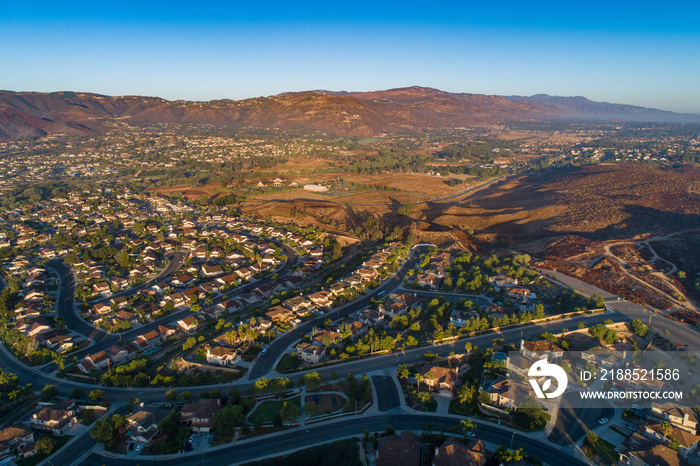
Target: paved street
[302,437]
[570,425]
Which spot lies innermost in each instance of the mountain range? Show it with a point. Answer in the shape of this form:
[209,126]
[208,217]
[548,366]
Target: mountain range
[403,110]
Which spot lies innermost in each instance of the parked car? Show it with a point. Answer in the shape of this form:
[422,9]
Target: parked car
[603,420]
[191,438]
[139,447]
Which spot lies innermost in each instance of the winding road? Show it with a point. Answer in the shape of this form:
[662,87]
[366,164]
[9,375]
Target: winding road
[251,449]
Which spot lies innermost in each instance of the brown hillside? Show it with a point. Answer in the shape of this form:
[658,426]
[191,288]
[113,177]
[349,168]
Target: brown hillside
[596,202]
[414,109]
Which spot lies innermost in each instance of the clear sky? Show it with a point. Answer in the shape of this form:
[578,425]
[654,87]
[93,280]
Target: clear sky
[642,53]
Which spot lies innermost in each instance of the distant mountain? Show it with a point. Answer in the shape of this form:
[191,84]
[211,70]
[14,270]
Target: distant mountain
[581,108]
[413,109]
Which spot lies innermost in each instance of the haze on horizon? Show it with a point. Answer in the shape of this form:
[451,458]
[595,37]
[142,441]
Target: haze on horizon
[640,53]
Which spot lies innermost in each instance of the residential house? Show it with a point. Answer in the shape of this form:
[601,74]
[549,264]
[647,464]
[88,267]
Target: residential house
[230,279]
[211,270]
[102,288]
[497,311]
[399,450]
[519,292]
[222,356]
[279,314]
[428,280]
[188,324]
[680,416]
[657,456]
[326,337]
[441,379]
[142,427]
[322,298]
[56,418]
[502,282]
[182,281]
[455,453]
[148,341]
[534,350]
[687,442]
[311,353]
[97,361]
[504,392]
[460,318]
[245,273]
[13,440]
[370,317]
[199,416]
[117,354]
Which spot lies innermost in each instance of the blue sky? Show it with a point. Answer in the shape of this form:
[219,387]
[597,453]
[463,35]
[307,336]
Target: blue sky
[640,53]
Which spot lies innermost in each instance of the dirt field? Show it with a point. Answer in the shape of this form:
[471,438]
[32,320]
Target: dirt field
[209,190]
[597,202]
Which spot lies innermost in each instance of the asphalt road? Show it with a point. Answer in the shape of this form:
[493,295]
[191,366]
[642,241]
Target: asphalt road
[677,332]
[303,437]
[674,331]
[356,367]
[264,364]
[104,340]
[387,393]
[573,423]
[570,425]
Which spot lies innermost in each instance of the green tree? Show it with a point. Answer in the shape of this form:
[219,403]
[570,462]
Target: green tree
[226,421]
[103,431]
[666,428]
[77,394]
[674,444]
[172,395]
[289,412]
[313,380]
[591,438]
[187,397]
[465,394]
[403,371]
[312,409]
[48,393]
[467,426]
[46,445]
[96,396]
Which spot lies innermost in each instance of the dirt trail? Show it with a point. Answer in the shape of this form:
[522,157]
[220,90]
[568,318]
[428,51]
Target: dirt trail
[686,302]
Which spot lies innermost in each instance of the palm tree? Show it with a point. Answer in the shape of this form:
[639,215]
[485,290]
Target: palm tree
[666,429]
[423,397]
[430,376]
[467,426]
[403,371]
[591,437]
[465,394]
[418,378]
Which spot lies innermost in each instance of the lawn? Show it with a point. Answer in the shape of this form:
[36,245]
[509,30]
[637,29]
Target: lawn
[39,457]
[252,352]
[267,409]
[605,450]
[430,406]
[289,362]
[88,416]
[458,408]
